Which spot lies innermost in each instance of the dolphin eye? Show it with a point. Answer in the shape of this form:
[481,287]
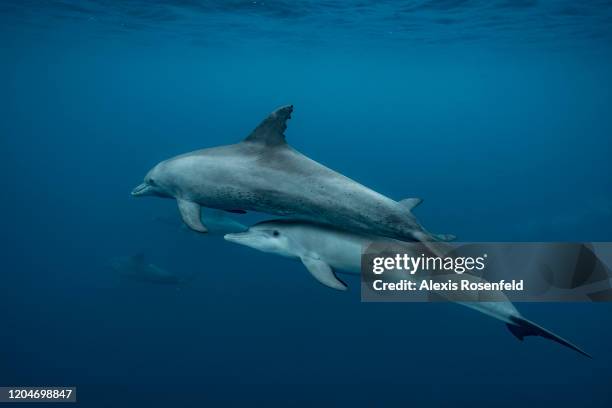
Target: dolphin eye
[151,182]
[275,233]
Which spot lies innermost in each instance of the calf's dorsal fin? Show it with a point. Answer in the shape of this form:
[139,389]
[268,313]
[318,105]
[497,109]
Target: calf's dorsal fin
[271,131]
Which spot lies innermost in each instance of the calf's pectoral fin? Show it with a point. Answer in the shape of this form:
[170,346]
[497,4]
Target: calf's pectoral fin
[322,272]
[190,212]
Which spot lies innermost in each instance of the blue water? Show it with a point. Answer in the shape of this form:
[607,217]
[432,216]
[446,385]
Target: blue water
[498,114]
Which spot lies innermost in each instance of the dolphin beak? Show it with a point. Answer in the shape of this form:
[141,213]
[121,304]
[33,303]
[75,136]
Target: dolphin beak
[141,190]
[236,236]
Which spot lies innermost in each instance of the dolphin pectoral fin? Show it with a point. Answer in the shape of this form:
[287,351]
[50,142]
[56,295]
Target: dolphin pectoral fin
[410,203]
[322,272]
[271,132]
[190,212]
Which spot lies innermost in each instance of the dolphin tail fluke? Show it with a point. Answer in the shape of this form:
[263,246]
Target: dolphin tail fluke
[521,328]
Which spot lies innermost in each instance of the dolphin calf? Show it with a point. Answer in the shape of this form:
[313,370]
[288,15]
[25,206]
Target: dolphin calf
[263,173]
[326,250]
[136,268]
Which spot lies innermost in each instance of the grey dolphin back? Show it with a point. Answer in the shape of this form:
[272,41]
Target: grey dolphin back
[271,131]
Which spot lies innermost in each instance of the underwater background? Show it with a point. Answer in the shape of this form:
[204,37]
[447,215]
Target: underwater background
[496,113]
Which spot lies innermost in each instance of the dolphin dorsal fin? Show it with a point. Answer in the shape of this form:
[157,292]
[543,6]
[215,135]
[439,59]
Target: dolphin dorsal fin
[271,131]
[322,272]
[411,203]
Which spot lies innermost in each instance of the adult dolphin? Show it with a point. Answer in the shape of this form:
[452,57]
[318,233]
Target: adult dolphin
[325,250]
[263,173]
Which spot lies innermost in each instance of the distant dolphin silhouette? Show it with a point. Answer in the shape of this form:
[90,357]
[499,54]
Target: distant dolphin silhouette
[136,268]
[324,250]
[263,173]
